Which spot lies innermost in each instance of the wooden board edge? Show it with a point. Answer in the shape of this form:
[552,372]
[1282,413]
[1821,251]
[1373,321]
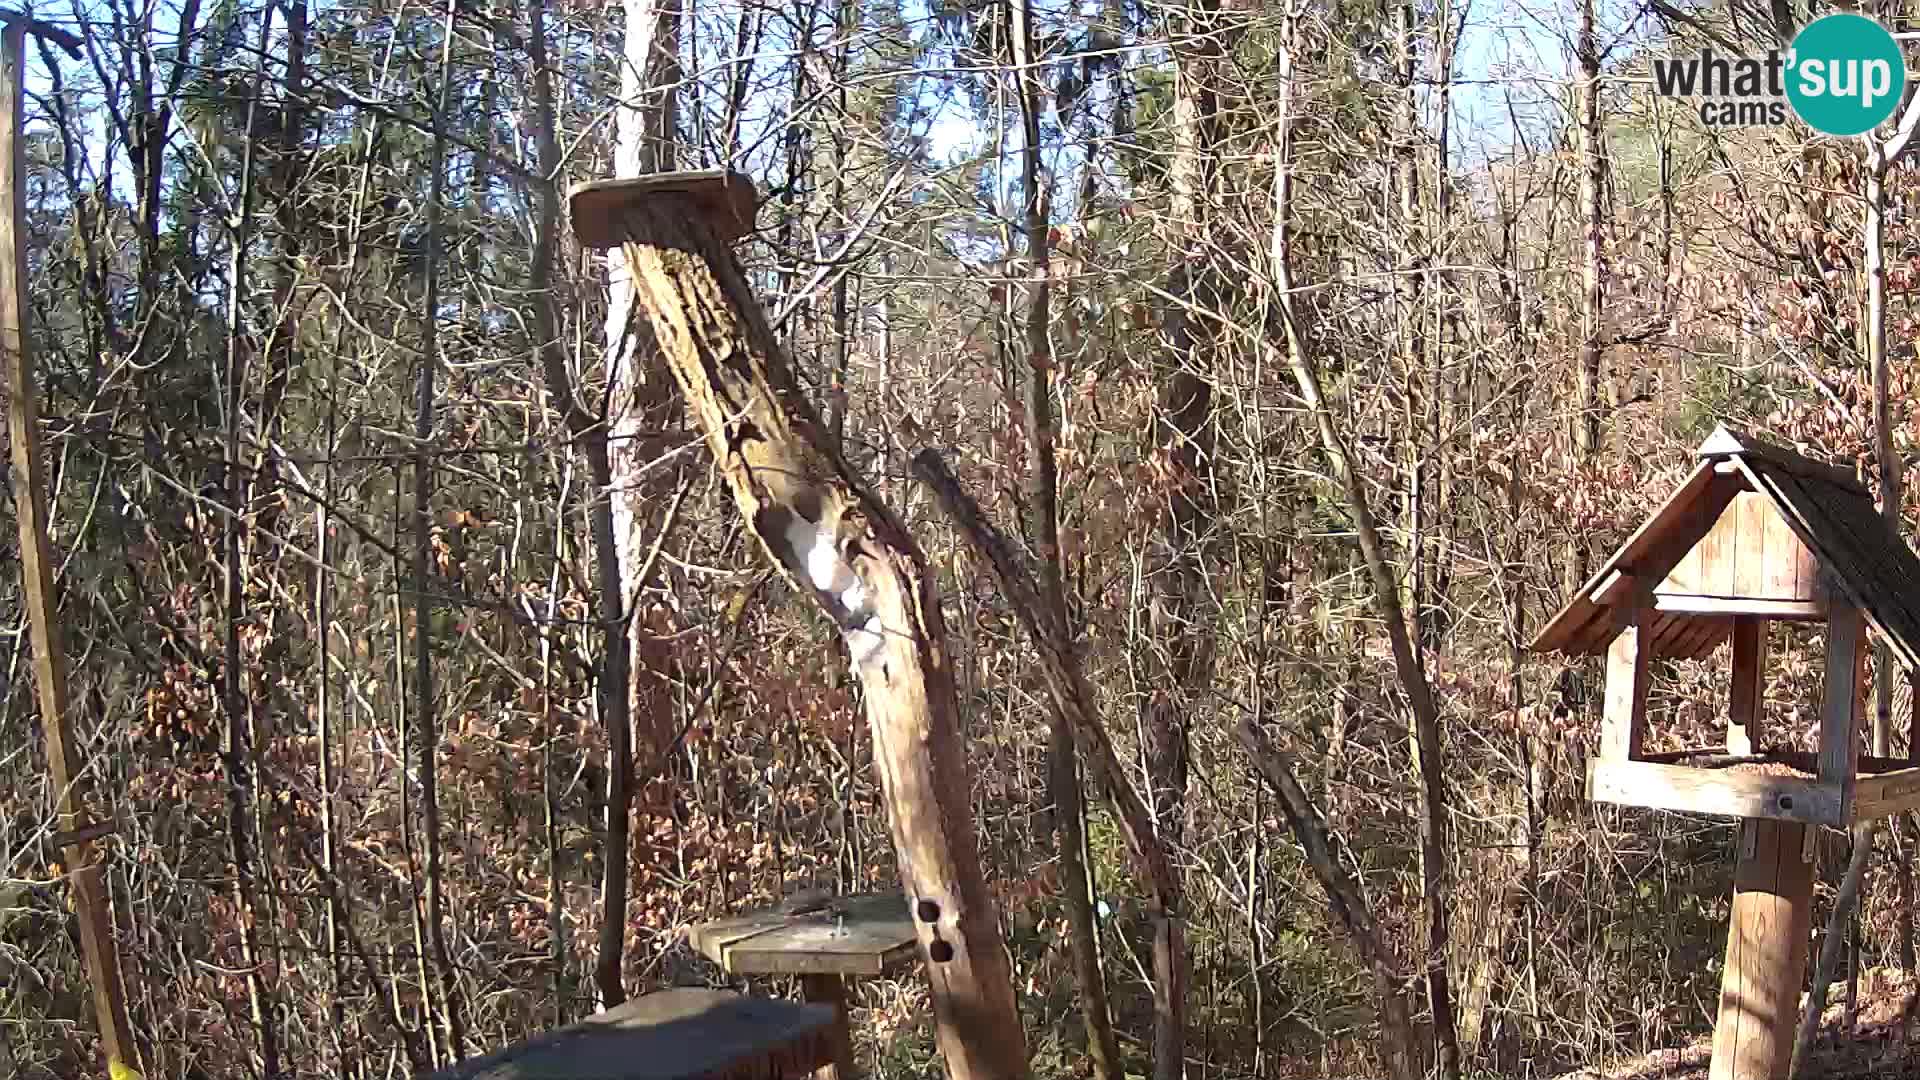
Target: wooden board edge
[1706,791]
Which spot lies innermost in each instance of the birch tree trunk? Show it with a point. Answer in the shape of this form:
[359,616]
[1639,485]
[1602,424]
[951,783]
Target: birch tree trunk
[640,408]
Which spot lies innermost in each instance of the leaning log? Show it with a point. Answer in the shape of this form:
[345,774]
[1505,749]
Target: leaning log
[838,544]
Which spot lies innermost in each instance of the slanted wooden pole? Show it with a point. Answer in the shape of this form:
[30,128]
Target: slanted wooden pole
[845,550]
[1766,953]
[78,826]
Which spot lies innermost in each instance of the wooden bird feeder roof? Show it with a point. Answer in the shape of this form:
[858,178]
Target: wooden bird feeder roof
[1757,530]
[725,199]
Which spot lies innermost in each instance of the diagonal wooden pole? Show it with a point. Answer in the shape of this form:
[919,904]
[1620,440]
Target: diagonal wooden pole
[78,828]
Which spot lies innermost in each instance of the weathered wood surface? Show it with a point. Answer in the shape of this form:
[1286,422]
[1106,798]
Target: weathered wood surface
[1840,706]
[1766,954]
[1623,723]
[1749,553]
[684,1034]
[847,551]
[599,207]
[1700,781]
[876,935]
[1708,791]
[831,991]
[1746,701]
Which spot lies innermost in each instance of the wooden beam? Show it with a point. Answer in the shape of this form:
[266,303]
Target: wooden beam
[1624,723]
[831,991]
[1783,610]
[1710,791]
[1766,954]
[1746,704]
[1618,586]
[1840,703]
[71,794]
[1885,794]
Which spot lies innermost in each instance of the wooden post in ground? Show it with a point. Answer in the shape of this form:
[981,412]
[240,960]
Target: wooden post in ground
[1766,953]
[78,828]
[847,552]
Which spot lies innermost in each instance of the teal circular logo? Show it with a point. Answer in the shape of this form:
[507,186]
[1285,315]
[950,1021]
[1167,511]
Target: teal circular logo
[1845,74]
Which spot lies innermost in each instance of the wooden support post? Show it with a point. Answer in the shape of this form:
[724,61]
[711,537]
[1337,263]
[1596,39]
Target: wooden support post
[1623,725]
[1766,953]
[1747,703]
[91,899]
[847,552]
[832,990]
[1840,704]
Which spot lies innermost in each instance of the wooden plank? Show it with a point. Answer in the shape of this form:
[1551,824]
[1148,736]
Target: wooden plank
[71,791]
[1685,576]
[1717,552]
[1707,791]
[680,1034]
[1887,793]
[1618,586]
[1840,701]
[599,208]
[1783,610]
[1766,954]
[868,934]
[1746,703]
[1624,722]
[1751,524]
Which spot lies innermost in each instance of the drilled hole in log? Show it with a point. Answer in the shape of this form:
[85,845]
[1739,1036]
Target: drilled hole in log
[1786,802]
[928,911]
[941,952]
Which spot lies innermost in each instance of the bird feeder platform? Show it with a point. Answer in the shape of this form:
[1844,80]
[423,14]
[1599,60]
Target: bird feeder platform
[725,200]
[1755,534]
[843,937]
[681,1034]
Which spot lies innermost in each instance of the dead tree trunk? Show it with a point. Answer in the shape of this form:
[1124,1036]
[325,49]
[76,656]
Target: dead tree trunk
[838,544]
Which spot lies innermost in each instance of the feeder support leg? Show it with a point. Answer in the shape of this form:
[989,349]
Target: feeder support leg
[1766,953]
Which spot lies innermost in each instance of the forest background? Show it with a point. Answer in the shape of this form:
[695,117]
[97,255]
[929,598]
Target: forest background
[1317,349]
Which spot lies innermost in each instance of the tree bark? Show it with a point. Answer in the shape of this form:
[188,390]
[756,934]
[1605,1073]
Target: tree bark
[640,408]
[1427,744]
[1350,906]
[1043,529]
[1067,684]
[839,545]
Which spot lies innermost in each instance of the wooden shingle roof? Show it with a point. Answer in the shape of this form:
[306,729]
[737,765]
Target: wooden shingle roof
[1865,563]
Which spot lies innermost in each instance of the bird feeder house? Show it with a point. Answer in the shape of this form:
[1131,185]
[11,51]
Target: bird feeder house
[1754,535]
